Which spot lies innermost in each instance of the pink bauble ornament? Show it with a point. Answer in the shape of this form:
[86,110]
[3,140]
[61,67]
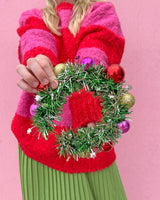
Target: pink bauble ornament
[88,62]
[33,109]
[124,126]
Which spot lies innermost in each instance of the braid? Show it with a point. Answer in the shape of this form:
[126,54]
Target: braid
[50,17]
[80,9]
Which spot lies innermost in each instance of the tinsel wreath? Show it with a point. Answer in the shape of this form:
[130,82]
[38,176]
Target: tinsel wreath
[82,141]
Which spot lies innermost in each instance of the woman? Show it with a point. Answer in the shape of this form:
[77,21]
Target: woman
[63,31]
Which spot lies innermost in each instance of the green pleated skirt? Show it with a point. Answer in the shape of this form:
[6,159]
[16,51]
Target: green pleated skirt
[39,182]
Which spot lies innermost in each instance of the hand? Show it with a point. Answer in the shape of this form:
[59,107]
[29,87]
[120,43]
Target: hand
[38,70]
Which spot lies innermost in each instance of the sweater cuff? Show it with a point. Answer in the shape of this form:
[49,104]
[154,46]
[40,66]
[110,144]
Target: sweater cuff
[39,50]
[97,55]
[85,108]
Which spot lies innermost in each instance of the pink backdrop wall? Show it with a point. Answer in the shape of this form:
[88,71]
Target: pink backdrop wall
[138,150]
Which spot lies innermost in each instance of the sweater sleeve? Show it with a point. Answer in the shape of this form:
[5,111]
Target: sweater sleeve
[35,37]
[100,36]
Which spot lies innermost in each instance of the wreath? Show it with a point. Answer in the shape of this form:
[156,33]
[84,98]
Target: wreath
[107,84]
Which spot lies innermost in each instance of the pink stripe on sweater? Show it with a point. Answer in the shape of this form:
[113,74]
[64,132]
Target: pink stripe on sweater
[103,14]
[100,13]
[96,54]
[30,13]
[65,16]
[66,116]
[23,108]
[37,37]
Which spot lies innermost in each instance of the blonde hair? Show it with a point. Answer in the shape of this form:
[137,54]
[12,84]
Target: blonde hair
[80,9]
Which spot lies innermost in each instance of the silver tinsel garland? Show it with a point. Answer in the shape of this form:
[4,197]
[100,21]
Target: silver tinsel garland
[50,104]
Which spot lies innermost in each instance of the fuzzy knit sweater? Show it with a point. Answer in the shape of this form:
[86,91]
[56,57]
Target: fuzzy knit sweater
[100,37]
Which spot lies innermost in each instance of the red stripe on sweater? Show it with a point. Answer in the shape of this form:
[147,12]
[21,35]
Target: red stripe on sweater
[19,53]
[40,50]
[64,5]
[104,39]
[44,151]
[32,23]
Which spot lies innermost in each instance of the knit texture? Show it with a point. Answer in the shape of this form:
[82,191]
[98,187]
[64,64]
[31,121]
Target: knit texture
[100,38]
[84,108]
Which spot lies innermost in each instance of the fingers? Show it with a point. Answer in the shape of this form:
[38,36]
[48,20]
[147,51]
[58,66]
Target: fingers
[27,76]
[46,65]
[25,86]
[36,69]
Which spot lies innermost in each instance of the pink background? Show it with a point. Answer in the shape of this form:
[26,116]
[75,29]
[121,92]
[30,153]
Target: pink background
[138,156]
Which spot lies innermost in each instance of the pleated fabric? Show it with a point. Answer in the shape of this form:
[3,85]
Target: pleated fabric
[39,182]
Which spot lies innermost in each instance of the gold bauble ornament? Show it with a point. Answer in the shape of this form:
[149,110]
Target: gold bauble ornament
[128,99]
[59,68]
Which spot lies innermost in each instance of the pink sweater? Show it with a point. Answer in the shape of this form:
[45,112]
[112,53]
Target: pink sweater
[100,37]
